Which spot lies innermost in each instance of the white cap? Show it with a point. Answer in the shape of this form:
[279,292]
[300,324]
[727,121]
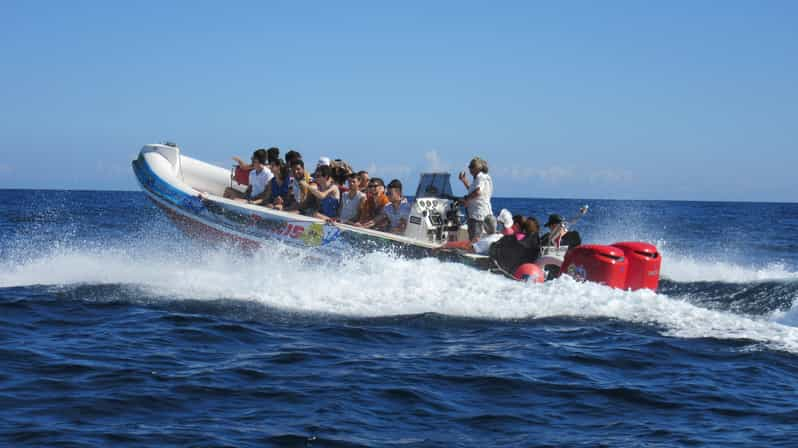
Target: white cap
[505,218]
[323,161]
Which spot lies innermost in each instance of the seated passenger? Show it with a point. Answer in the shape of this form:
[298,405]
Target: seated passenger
[518,222]
[571,239]
[557,228]
[505,229]
[482,245]
[259,177]
[248,166]
[508,253]
[278,192]
[323,161]
[372,206]
[290,156]
[272,154]
[394,215]
[300,184]
[364,181]
[340,173]
[531,229]
[326,193]
[351,201]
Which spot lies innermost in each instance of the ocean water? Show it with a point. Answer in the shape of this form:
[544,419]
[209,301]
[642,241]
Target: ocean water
[117,330]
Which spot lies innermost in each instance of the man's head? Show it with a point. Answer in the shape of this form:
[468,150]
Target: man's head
[477,166]
[278,168]
[298,169]
[323,174]
[376,187]
[364,178]
[531,226]
[290,156]
[518,222]
[259,159]
[354,181]
[395,190]
[340,171]
[272,153]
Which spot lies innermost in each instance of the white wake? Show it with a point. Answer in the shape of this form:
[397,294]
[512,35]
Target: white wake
[380,285]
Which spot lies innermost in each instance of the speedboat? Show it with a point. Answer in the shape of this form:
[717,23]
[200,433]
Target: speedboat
[190,192]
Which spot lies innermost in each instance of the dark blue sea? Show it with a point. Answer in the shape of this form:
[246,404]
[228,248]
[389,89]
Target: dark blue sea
[118,330]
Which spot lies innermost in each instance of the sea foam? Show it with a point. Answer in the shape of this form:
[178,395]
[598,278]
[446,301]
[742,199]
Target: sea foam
[379,284]
[689,268]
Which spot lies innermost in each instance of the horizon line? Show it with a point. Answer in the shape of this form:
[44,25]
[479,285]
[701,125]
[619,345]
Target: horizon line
[82,190]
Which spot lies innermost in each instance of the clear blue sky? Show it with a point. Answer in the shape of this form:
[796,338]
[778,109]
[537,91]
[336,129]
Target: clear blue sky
[692,100]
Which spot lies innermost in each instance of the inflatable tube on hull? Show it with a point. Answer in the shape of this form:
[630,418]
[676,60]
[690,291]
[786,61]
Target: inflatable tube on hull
[530,273]
[190,191]
[204,232]
[550,265]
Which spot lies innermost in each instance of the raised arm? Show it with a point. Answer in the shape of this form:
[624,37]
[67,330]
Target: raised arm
[464,179]
[241,164]
[314,190]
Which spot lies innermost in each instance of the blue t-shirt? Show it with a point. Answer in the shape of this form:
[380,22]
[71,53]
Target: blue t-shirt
[280,190]
[329,207]
[396,214]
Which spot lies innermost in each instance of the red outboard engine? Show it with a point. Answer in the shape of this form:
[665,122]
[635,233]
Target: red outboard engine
[601,264]
[644,265]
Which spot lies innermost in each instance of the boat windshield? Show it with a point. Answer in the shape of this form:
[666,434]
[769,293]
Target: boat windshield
[434,185]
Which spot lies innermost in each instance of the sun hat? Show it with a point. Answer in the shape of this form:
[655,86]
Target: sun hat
[323,161]
[505,218]
[553,219]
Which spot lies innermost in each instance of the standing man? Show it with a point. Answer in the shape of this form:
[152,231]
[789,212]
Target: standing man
[477,201]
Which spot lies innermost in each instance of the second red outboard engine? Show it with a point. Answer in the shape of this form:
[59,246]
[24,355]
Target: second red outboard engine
[644,265]
[601,264]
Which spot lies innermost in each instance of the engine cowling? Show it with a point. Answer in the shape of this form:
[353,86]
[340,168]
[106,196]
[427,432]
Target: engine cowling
[601,264]
[644,265]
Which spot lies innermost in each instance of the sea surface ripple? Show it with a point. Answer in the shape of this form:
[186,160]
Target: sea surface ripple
[115,329]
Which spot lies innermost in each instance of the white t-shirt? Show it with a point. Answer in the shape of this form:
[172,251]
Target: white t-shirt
[479,207]
[351,205]
[258,181]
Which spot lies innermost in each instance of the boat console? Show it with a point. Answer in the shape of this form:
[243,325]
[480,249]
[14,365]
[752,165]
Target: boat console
[435,213]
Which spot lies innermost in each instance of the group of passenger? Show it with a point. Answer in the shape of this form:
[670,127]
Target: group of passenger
[520,229]
[337,193]
[517,240]
[333,191]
